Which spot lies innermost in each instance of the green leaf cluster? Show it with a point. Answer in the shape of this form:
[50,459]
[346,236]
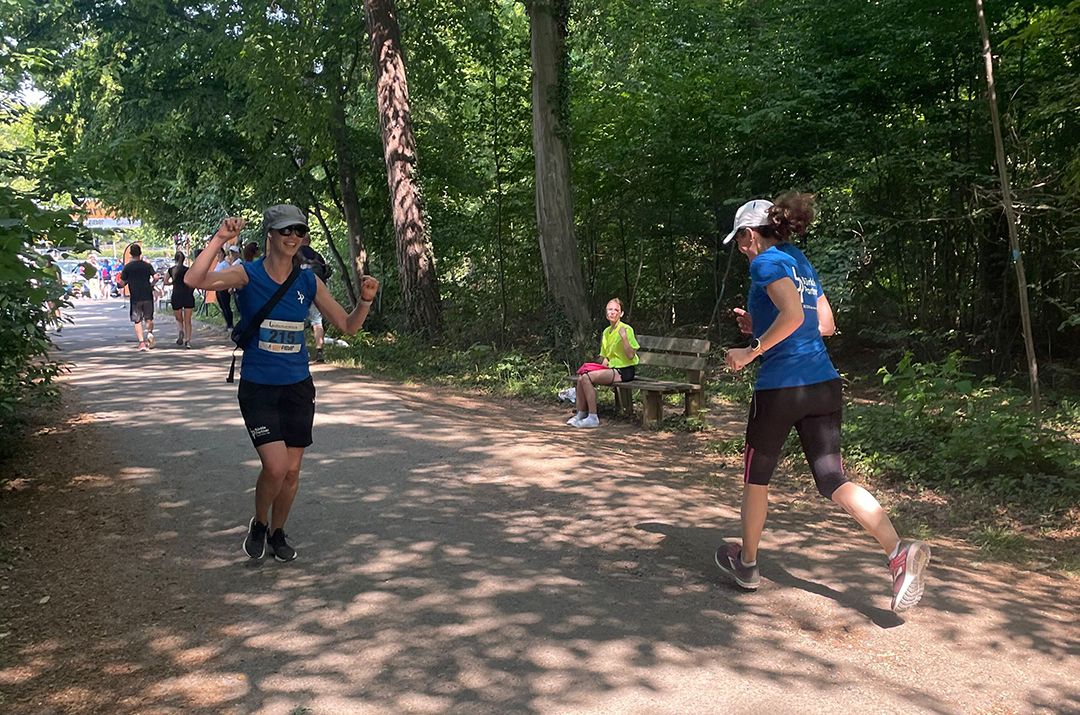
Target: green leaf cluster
[942,427]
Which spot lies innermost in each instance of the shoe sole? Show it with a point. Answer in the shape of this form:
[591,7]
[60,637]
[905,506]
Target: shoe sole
[911,590]
[244,546]
[284,561]
[748,585]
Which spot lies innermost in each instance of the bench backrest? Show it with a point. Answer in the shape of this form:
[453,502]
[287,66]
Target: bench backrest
[688,354]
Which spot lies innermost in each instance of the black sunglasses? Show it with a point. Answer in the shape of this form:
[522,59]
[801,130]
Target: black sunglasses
[300,231]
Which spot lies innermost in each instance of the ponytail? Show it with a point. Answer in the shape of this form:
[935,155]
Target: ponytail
[790,215]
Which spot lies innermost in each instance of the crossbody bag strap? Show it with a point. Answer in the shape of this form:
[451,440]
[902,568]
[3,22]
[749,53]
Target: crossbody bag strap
[251,328]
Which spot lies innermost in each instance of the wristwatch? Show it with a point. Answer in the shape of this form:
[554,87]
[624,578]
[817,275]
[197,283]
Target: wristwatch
[755,346]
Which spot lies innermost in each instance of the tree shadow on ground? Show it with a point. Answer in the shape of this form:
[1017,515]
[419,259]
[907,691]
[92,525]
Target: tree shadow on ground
[459,556]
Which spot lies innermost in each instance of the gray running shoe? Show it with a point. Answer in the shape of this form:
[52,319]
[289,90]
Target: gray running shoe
[729,558]
[255,543]
[907,569]
[150,340]
[280,547]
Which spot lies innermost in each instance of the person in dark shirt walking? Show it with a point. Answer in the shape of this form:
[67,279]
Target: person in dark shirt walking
[139,276]
[182,299]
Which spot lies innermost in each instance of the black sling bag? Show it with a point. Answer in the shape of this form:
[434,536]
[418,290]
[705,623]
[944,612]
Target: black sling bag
[251,327]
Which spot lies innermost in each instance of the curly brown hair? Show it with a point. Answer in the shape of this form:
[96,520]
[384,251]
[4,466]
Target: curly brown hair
[791,214]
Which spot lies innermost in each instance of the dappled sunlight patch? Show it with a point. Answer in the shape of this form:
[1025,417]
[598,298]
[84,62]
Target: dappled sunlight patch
[255,600]
[421,703]
[90,480]
[121,669]
[139,474]
[204,690]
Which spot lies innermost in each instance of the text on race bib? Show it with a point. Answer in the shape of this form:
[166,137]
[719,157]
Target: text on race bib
[281,336]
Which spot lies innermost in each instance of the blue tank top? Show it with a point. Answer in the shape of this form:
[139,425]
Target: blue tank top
[801,358]
[277,353]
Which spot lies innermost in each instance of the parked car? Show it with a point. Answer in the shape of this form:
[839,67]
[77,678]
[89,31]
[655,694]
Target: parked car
[71,274]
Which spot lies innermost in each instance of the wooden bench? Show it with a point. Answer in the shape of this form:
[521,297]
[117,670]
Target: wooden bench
[686,354]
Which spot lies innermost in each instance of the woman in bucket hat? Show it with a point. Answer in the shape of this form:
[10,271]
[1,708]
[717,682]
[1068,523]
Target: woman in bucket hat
[276,393]
[797,386]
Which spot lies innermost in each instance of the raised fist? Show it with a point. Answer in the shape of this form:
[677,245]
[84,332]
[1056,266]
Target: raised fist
[230,228]
[369,288]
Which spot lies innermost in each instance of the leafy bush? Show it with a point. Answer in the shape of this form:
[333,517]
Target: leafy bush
[947,429]
[506,372]
[28,284]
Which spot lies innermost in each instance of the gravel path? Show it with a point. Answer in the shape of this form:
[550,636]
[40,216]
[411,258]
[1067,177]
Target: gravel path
[459,556]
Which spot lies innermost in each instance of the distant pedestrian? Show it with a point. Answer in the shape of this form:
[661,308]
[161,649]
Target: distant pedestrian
[139,276]
[250,252]
[224,297]
[797,386]
[276,395]
[182,299]
[313,261]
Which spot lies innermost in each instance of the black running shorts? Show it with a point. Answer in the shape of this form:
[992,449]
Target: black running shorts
[142,310]
[815,413]
[278,413]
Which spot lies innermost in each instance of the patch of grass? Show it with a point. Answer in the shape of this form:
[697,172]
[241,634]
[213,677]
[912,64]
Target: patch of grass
[682,423]
[511,373]
[1000,542]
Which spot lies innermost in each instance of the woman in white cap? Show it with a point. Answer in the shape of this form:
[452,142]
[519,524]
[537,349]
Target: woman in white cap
[797,386]
[276,393]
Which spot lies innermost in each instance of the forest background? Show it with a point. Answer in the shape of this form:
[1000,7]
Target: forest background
[671,113]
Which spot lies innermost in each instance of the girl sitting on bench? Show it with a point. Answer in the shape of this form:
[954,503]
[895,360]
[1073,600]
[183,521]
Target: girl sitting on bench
[618,355]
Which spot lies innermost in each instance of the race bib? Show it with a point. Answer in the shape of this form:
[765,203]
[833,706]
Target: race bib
[281,336]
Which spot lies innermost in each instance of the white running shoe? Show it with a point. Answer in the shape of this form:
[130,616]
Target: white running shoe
[573,421]
[590,421]
[150,338]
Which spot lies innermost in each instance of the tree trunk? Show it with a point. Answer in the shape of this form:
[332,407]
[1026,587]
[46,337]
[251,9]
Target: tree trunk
[1006,198]
[346,171]
[415,257]
[348,277]
[554,205]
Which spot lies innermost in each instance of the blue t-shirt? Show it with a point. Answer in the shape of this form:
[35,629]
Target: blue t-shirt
[277,354]
[801,358]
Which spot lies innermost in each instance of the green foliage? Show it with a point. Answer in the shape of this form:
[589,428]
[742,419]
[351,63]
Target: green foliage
[948,430]
[483,367]
[29,287]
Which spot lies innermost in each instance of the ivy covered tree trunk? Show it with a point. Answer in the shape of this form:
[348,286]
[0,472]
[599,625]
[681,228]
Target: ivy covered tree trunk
[554,204]
[415,257]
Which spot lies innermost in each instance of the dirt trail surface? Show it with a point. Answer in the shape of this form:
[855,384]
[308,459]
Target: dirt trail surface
[460,556]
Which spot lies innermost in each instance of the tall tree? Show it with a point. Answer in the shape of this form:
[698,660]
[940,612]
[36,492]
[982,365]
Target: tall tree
[554,203]
[415,257]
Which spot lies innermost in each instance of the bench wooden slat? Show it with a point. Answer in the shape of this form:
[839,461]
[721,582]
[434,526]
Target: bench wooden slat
[650,384]
[664,386]
[678,345]
[685,362]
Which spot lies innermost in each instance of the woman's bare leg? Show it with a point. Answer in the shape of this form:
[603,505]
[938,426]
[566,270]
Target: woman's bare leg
[866,510]
[755,508]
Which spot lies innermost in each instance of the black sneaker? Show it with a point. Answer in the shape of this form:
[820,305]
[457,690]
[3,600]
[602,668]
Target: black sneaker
[280,547]
[729,558]
[255,543]
[319,355]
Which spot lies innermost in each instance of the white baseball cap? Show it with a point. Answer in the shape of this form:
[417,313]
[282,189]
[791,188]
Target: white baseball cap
[750,215]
